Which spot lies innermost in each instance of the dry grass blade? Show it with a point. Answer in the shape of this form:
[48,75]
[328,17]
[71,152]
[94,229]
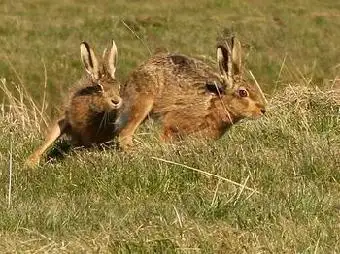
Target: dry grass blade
[44,95]
[10,172]
[207,174]
[258,87]
[281,69]
[137,36]
[178,217]
[241,191]
[215,193]
[224,107]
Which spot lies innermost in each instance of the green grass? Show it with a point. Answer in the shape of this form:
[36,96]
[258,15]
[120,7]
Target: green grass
[110,201]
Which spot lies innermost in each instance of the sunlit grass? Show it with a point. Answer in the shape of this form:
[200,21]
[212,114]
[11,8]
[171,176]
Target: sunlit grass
[270,185]
[267,185]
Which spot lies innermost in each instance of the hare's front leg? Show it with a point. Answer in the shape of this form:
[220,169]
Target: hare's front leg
[54,133]
[134,116]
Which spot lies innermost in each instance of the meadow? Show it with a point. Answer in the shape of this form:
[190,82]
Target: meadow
[270,185]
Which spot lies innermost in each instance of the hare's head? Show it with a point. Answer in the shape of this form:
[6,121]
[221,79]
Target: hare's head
[102,76]
[242,98]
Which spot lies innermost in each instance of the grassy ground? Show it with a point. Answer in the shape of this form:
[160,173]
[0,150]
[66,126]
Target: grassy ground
[285,167]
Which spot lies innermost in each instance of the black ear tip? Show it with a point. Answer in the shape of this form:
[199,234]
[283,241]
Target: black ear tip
[219,46]
[87,46]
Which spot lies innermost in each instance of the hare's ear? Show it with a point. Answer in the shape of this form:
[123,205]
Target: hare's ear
[225,64]
[89,60]
[110,59]
[236,56]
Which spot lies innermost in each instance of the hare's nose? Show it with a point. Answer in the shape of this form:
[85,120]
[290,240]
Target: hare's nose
[116,101]
[263,111]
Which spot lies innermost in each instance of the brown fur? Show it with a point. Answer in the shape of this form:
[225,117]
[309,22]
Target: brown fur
[189,96]
[91,109]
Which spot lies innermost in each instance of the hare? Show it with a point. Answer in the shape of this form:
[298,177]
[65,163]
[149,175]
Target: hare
[189,96]
[90,112]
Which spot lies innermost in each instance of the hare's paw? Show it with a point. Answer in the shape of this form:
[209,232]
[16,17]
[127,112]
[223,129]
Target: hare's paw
[126,143]
[32,161]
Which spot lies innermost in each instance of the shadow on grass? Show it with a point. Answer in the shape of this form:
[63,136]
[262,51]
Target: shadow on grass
[64,147]
[59,151]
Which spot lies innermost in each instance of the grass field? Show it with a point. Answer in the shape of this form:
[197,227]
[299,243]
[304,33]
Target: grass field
[268,186]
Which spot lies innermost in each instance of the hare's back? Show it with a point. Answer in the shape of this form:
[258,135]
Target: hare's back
[184,85]
[173,81]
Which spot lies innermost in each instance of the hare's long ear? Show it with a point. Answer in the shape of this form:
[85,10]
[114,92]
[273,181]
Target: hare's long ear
[236,56]
[225,64]
[110,59]
[89,60]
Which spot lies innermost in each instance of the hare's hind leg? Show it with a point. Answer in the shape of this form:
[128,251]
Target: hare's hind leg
[54,133]
[135,116]
[169,134]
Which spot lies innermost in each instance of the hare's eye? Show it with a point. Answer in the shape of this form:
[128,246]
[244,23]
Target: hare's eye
[243,92]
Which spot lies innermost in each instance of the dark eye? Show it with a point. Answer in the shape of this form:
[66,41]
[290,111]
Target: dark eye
[100,88]
[243,92]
